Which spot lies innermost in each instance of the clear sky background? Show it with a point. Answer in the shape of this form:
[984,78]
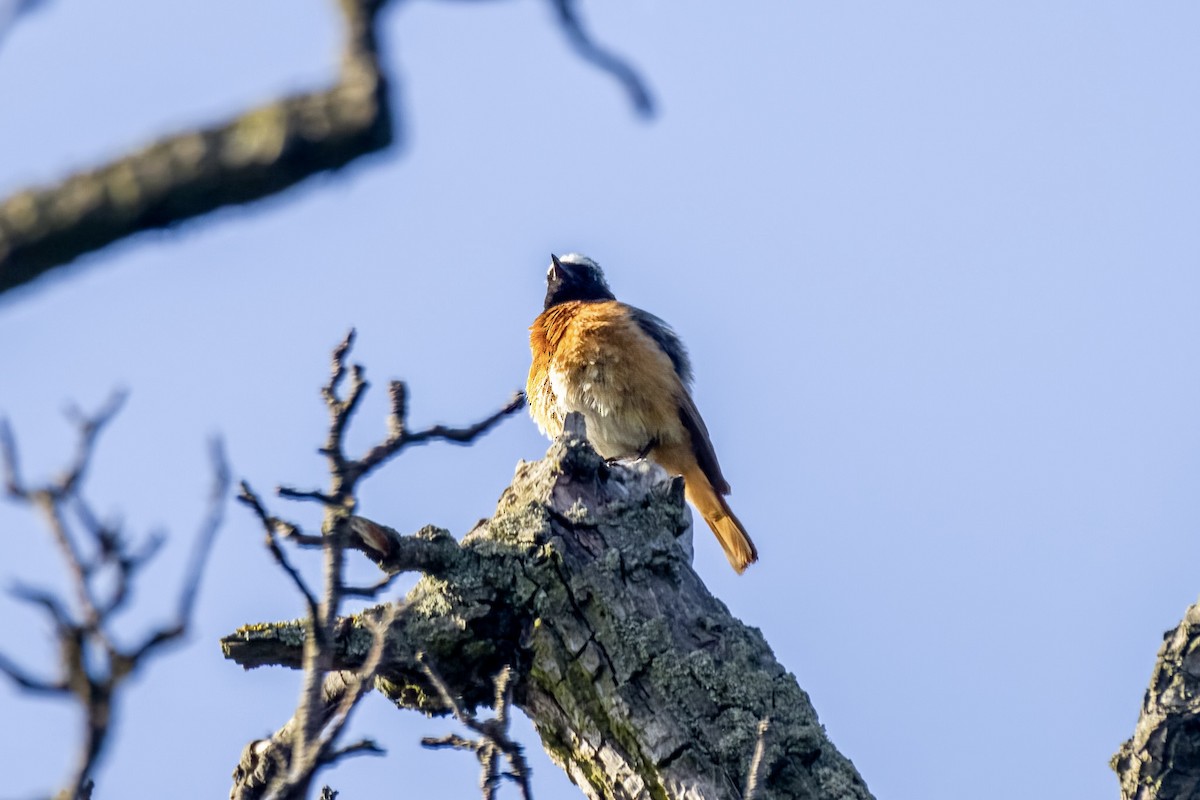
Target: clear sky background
[938,266]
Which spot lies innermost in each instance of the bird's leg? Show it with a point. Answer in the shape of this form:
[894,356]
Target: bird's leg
[640,455]
[645,451]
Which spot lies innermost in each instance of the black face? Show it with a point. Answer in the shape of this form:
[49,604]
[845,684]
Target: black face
[575,277]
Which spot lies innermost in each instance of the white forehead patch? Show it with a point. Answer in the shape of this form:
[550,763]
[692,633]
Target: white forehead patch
[579,260]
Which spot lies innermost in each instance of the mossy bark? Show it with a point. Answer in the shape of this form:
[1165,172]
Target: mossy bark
[639,682]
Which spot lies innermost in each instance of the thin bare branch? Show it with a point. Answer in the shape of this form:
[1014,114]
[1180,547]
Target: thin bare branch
[9,462]
[309,741]
[364,747]
[363,679]
[614,65]
[90,428]
[93,668]
[372,591]
[27,681]
[208,531]
[300,494]
[249,498]
[46,601]
[394,444]
[450,741]
[201,549]
[493,735]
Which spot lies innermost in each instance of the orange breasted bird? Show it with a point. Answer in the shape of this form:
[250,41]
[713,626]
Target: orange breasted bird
[629,375]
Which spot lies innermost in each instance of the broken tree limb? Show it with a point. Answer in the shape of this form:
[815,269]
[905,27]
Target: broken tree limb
[639,682]
[1161,761]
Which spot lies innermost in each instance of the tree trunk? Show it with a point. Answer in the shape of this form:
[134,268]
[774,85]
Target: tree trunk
[1162,759]
[639,682]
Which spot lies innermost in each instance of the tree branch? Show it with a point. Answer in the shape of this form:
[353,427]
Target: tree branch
[286,765]
[92,667]
[258,153]
[492,736]
[603,59]
[1159,762]
[636,678]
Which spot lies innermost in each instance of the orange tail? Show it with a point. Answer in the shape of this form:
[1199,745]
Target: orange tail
[734,540]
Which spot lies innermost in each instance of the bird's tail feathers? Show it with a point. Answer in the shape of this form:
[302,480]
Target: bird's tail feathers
[736,543]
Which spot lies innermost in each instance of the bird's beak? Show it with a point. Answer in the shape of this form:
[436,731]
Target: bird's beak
[556,268]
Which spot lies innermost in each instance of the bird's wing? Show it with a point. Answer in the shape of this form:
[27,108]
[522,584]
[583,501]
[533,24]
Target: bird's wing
[670,343]
[667,341]
[702,447]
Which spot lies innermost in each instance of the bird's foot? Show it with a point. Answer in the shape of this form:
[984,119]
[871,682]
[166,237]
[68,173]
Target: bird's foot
[645,451]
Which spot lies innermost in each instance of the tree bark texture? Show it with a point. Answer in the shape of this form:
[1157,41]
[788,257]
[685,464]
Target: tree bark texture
[639,682]
[1161,761]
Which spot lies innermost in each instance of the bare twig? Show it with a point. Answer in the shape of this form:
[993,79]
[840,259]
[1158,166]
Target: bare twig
[28,682]
[493,739]
[346,472]
[589,50]
[92,667]
[308,743]
[270,525]
[372,591]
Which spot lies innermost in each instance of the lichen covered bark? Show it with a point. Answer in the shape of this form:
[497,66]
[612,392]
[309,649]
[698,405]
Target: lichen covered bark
[1161,761]
[639,682]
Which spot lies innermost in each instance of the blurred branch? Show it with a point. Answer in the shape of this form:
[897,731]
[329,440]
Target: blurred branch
[92,666]
[603,59]
[285,765]
[493,739]
[258,153]
[12,10]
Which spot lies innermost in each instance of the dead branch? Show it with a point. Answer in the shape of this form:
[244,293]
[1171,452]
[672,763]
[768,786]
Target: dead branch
[285,765]
[638,681]
[93,668]
[492,739]
[603,59]
[1159,762]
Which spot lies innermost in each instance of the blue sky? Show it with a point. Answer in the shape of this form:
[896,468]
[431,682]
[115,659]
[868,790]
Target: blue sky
[937,265]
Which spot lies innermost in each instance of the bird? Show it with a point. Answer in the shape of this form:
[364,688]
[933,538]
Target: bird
[629,374]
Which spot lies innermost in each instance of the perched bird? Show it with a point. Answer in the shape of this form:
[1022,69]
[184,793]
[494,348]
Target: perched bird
[628,373]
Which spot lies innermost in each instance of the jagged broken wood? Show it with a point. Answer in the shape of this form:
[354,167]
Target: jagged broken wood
[1161,761]
[639,682]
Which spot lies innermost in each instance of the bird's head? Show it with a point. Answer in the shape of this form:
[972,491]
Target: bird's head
[575,277]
